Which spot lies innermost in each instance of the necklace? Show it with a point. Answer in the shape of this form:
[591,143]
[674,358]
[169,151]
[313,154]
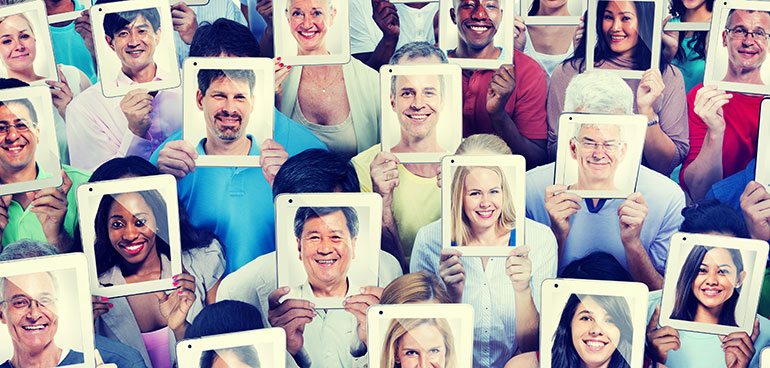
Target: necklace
[336,78]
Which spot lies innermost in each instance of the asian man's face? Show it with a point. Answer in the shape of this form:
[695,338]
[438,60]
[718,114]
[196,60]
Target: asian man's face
[477,21]
[19,137]
[135,44]
[29,310]
[226,107]
[598,150]
[326,249]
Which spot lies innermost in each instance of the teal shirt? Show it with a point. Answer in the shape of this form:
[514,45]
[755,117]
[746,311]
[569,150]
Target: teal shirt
[70,49]
[692,67]
[23,223]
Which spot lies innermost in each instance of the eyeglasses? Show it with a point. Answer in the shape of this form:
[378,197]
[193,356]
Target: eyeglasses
[22,126]
[740,33]
[22,302]
[594,146]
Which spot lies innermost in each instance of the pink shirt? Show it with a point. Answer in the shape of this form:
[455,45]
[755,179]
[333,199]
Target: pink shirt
[97,129]
[526,105]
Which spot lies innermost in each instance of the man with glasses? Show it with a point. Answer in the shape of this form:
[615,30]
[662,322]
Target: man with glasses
[636,230]
[28,307]
[721,122]
[46,215]
[598,149]
[745,37]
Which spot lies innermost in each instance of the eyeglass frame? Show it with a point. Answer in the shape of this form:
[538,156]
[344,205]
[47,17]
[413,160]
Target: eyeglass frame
[29,301]
[29,126]
[731,32]
[594,146]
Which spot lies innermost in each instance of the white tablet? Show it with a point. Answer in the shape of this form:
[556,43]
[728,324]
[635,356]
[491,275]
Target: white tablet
[495,27]
[132,222]
[262,348]
[403,335]
[736,59]
[762,170]
[593,323]
[705,273]
[480,192]
[644,38]
[70,15]
[563,13]
[327,245]
[764,358]
[311,32]
[598,155]
[422,118]
[44,301]
[28,138]
[134,45]
[228,109]
[26,52]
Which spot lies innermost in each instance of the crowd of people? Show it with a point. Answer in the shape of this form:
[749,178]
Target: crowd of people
[696,175]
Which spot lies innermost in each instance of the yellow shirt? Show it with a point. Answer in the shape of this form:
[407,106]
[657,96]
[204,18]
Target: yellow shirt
[416,200]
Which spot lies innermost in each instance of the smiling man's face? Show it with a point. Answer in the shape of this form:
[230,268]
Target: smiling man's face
[326,249]
[19,137]
[598,150]
[135,45]
[29,311]
[477,21]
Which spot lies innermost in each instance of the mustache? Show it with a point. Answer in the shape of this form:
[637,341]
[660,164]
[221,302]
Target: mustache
[225,114]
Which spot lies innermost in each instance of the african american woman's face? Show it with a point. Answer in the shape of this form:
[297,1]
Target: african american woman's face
[131,226]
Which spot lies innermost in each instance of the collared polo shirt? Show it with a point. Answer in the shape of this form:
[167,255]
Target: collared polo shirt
[24,224]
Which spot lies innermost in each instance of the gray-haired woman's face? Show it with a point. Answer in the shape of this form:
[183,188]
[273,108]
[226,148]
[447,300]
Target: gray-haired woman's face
[309,21]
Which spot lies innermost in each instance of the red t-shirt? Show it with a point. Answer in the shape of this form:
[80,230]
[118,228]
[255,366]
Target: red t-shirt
[739,145]
[526,105]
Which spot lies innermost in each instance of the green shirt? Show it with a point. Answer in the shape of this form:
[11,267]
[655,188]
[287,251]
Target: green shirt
[23,224]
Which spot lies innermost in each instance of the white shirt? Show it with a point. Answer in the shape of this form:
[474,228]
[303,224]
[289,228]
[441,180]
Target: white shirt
[414,25]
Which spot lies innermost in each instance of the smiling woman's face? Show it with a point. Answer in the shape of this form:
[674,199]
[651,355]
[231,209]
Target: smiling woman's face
[309,21]
[594,333]
[423,347]
[717,279]
[17,43]
[620,27]
[131,226]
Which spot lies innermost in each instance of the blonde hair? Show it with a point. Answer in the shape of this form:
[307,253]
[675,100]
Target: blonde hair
[400,326]
[23,16]
[461,230]
[479,144]
[414,288]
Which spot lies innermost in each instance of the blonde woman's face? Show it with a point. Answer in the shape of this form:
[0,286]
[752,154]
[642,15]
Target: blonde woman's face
[483,198]
[17,43]
[421,347]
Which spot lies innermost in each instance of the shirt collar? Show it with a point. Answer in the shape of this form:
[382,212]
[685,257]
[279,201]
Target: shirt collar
[124,80]
[253,151]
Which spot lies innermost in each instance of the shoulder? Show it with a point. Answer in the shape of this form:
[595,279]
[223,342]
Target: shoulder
[540,177]
[428,238]
[527,64]
[293,136]
[77,176]
[88,97]
[207,253]
[361,70]
[692,93]
[671,73]
[654,185]
[365,158]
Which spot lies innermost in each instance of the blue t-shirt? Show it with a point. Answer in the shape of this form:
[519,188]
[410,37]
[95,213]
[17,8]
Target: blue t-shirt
[236,203]
[729,189]
[70,49]
[699,349]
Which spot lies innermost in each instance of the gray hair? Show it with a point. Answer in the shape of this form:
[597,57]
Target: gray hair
[414,50]
[621,129]
[328,3]
[598,91]
[732,11]
[23,249]
[49,273]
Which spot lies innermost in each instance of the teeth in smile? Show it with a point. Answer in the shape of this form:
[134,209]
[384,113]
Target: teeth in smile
[307,34]
[595,344]
[485,213]
[34,328]
[711,292]
[14,149]
[133,247]
[618,37]
[418,117]
[479,29]
[326,261]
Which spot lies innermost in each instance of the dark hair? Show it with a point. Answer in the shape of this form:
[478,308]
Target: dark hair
[698,42]
[190,236]
[686,304]
[596,266]
[711,215]
[645,15]
[105,254]
[316,171]
[678,9]
[24,102]
[246,354]
[563,353]
[306,213]
[12,83]
[114,22]
[223,317]
[224,36]
[206,76]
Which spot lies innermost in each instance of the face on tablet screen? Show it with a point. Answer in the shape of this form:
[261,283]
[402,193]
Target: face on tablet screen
[481,200]
[18,46]
[134,36]
[597,149]
[131,229]
[326,239]
[226,99]
[709,285]
[593,331]
[418,342]
[236,357]
[19,137]
[418,101]
[745,37]
[477,23]
[309,21]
